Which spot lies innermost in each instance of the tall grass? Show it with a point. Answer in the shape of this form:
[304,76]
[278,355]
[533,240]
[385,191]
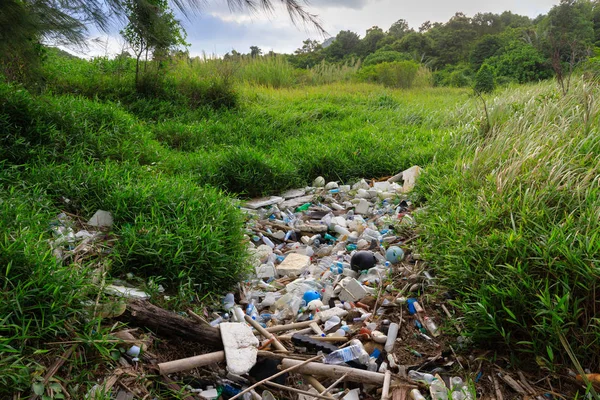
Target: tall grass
[514,224]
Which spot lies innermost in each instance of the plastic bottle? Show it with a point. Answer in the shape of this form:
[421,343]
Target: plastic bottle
[228,301]
[431,326]
[354,352]
[217,321]
[391,337]
[251,309]
[459,391]
[438,389]
[267,241]
[422,377]
[341,230]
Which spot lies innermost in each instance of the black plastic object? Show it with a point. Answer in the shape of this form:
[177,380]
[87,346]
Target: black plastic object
[312,344]
[265,368]
[362,260]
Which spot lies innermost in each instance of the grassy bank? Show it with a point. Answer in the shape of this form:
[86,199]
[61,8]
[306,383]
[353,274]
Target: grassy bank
[512,224]
[162,175]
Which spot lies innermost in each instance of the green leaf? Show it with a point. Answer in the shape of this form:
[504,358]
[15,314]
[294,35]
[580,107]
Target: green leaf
[38,388]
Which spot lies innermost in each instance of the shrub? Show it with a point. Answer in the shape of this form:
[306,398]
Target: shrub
[385,56]
[165,226]
[484,79]
[399,74]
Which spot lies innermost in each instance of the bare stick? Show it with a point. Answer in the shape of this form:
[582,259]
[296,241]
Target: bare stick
[385,392]
[291,389]
[293,367]
[497,389]
[334,384]
[55,367]
[197,317]
[289,327]
[266,334]
[316,384]
[185,364]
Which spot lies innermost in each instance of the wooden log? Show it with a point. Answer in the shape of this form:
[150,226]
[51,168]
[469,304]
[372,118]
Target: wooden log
[169,324]
[185,364]
[335,371]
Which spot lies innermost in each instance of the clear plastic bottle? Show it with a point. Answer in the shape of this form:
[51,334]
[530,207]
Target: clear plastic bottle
[354,352]
[228,302]
[438,389]
[458,390]
[267,241]
[431,326]
[251,309]
[421,377]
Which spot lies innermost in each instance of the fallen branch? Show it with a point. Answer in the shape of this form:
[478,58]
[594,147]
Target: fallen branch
[169,324]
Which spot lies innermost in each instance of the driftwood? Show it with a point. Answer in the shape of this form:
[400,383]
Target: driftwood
[169,324]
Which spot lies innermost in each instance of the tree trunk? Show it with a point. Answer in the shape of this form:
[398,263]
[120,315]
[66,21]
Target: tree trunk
[169,324]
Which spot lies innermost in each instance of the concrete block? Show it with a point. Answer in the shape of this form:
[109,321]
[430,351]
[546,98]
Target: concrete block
[241,347]
[294,265]
[353,291]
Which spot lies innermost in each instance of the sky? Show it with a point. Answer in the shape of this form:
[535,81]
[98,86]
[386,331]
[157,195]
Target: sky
[216,30]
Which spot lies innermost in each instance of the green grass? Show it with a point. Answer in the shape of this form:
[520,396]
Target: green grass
[513,223]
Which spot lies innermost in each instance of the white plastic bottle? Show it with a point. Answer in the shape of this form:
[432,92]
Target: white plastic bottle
[391,337]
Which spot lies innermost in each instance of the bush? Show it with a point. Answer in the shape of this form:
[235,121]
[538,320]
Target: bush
[400,74]
[165,226]
[521,62]
[459,75]
[385,56]
[484,79]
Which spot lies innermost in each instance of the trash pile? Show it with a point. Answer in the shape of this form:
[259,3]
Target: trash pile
[328,297]
[338,307]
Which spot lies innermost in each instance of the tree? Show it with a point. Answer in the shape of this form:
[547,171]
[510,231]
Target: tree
[25,24]
[399,29]
[255,51]
[151,27]
[346,43]
[484,48]
[568,33]
[484,79]
[369,43]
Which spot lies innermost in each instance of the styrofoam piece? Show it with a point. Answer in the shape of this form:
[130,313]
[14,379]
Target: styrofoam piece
[353,291]
[101,219]
[294,265]
[263,202]
[241,347]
